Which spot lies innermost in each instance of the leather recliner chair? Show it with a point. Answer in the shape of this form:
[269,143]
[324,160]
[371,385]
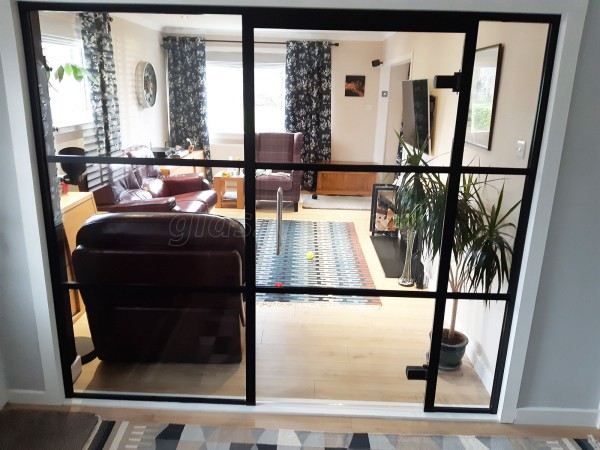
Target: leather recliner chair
[162,252]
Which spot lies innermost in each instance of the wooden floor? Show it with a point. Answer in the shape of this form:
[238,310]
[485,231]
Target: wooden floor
[343,353]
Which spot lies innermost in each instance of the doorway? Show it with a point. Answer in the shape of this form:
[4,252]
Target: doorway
[449,168]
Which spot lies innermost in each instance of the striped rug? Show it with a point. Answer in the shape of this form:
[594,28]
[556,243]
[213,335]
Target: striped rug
[126,435]
[338,260]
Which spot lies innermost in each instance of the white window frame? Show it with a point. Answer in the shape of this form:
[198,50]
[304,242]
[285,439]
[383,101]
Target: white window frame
[237,136]
[83,113]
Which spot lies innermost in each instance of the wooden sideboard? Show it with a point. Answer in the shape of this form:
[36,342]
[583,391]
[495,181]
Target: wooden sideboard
[346,183]
[178,170]
[76,208]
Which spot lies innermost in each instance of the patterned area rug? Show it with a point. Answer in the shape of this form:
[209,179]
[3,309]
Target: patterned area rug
[125,435]
[338,260]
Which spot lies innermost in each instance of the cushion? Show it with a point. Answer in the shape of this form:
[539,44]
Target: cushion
[208,197]
[125,182]
[129,195]
[156,187]
[275,147]
[143,172]
[273,182]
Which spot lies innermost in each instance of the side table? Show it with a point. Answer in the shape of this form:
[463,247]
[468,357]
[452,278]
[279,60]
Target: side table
[225,198]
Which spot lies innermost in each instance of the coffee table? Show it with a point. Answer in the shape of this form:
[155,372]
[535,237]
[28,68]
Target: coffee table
[232,198]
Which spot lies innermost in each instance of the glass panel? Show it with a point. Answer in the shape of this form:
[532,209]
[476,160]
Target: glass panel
[140,343]
[155,340]
[487,215]
[350,108]
[151,102]
[341,241]
[338,349]
[466,374]
[505,93]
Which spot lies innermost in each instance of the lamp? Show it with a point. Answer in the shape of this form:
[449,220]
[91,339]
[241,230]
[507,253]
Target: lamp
[75,171]
[376,62]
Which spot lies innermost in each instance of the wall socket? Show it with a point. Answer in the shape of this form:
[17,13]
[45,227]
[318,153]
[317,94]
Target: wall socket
[521,146]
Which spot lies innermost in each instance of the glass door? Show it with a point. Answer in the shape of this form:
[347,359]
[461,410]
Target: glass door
[392,137]
[334,320]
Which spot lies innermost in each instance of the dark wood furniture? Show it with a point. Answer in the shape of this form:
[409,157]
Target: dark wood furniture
[346,183]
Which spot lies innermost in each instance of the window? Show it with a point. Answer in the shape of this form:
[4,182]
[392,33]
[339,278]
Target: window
[225,97]
[69,98]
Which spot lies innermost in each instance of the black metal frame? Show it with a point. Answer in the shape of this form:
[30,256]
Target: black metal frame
[466,23]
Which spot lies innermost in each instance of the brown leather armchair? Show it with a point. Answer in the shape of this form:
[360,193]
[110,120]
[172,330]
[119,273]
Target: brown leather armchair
[163,251]
[279,148]
[144,188]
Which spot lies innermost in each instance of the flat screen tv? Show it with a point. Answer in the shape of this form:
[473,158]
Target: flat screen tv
[415,113]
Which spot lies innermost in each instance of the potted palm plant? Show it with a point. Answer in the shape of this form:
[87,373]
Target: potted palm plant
[482,246]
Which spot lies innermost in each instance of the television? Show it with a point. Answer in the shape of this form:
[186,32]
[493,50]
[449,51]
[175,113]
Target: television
[415,114]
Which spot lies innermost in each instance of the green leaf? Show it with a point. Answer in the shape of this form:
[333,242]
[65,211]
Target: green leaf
[77,73]
[68,68]
[91,77]
[59,74]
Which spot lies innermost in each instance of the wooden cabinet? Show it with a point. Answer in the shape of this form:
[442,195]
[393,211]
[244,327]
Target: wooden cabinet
[76,208]
[346,183]
[178,170]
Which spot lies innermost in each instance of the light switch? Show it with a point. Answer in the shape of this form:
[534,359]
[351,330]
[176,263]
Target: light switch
[521,149]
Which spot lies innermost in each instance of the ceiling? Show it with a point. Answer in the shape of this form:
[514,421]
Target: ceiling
[231,25]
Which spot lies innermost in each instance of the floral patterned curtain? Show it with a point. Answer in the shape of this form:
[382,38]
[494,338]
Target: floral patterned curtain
[186,68]
[308,100]
[100,62]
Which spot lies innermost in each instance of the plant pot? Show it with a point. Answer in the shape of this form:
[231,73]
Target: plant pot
[451,353]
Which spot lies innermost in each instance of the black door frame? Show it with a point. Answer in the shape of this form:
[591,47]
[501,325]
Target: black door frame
[466,23]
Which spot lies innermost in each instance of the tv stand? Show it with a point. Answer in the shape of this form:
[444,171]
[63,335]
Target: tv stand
[345,183]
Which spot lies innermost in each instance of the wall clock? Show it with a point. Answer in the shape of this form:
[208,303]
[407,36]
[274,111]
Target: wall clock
[145,84]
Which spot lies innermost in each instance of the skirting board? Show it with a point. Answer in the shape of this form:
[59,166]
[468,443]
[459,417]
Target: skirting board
[568,417]
[76,369]
[485,373]
[30,397]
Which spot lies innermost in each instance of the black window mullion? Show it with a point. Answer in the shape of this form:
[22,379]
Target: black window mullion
[453,186]
[250,204]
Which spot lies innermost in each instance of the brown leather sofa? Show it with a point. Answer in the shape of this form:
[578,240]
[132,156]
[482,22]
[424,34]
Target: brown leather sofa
[144,188]
[163,252]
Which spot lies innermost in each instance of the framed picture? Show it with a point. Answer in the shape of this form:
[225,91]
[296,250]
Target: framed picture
[355,86]
[383,209]
[484,89]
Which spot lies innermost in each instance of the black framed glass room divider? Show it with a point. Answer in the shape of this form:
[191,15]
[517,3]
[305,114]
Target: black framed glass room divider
[493,195]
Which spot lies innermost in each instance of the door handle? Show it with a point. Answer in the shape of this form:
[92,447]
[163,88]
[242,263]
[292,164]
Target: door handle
[417,372]
[279,219]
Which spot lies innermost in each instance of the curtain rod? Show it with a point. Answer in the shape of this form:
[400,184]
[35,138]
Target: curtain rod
[222,41]
[333,44]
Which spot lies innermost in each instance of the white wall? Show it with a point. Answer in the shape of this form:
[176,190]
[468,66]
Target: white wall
[398,74]
[353,118]
[27,328]
[133,43]
[562,368]
[19,343]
